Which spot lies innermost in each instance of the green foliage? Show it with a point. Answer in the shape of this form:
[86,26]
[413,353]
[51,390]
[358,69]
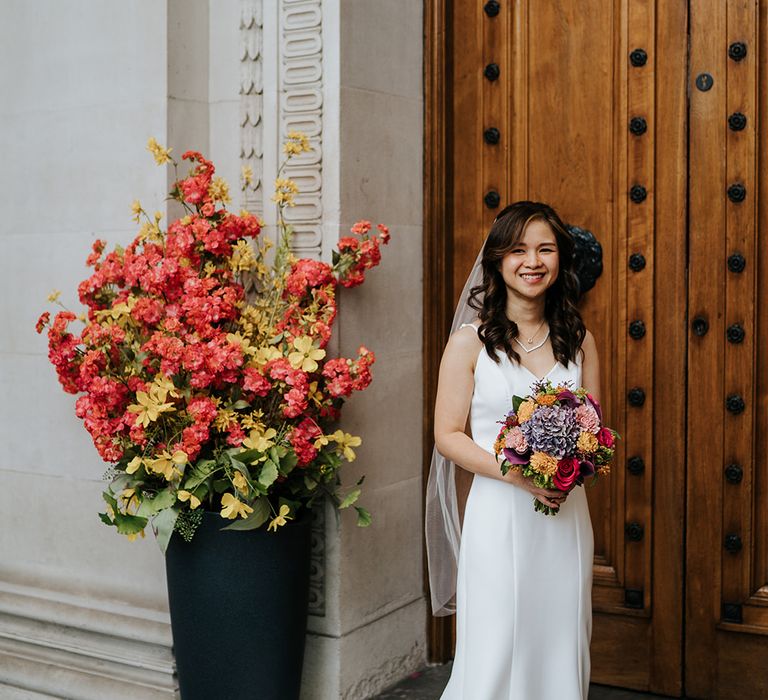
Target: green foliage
[187,523]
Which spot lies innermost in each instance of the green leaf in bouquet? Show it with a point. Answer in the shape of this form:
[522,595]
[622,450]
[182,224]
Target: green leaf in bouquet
[221,485]
[199,473]
[516,401]
[350,498]
[151,505]
[261,512]
[309,483]
[162,525]
[268,474]
[363,517]
[248,457]
[505,466]
[288,462]
[241,404]
[129,524]
[292,505]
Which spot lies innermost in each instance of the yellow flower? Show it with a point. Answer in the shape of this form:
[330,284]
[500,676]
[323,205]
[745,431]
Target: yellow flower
[314,395]
[133,466]
[253,420]
[168,464]
[224,418]
[297,143]
[525,411]
[136,209]
[148,408]
[543,463]
[247,172]
[132,536]
[346,442]
[162,387]
[242,258]
[231,507]
[285,189]
[129,500]
[54,295]
[281,518]
[306,355]
[261,441]
[587,442]
[160,154]
[218,190]
[194,501]
[240,482]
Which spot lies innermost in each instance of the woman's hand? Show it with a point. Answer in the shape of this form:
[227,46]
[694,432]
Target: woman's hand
[553,498]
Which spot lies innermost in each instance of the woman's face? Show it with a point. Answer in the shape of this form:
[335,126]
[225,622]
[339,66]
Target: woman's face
[532,266]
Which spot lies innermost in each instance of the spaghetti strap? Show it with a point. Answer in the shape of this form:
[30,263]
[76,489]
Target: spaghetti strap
[468,324]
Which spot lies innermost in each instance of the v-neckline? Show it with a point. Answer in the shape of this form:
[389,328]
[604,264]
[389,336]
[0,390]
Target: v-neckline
[539,379]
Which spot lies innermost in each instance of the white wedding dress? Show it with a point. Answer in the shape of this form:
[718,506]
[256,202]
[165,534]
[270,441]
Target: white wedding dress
[524,587]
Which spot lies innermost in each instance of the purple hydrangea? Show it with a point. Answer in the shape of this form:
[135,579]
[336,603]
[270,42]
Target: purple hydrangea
[552,429]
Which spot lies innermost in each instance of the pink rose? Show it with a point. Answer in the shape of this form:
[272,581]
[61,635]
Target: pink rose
[605,437]
[565,476]
[586,417]
[516,440]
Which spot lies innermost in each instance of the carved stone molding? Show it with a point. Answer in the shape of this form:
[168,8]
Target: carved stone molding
[300,105]
[252,102]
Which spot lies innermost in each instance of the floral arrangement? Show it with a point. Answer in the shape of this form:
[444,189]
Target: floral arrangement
[202,369]
[555,436]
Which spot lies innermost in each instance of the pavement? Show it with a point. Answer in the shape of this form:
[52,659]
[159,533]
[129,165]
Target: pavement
[428,684]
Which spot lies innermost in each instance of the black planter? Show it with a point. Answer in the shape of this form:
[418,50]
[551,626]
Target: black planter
[238,604]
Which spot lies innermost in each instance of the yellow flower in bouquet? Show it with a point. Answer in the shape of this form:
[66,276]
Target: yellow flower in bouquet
[306,355]
[587,442]
[525,411]
[543,463]
[233,507]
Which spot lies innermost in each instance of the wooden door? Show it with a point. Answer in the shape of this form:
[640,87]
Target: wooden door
[592,106]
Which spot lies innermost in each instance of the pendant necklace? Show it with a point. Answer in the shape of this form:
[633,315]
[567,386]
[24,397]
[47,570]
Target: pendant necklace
[530,340]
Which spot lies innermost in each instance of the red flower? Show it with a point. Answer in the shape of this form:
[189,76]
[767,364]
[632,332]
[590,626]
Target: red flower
[605,437]
[566,474]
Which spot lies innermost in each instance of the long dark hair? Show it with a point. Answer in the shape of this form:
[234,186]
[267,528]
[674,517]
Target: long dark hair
[489,298]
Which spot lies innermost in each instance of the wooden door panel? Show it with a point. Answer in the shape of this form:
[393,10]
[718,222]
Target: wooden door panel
[570,84]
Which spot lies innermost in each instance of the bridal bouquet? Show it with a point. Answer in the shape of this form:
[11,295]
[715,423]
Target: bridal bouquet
[201,366]
[556,436]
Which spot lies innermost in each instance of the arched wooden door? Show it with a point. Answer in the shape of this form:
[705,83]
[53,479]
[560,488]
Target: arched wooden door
[638,121]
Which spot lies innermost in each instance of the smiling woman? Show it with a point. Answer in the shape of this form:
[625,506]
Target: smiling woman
[516,575]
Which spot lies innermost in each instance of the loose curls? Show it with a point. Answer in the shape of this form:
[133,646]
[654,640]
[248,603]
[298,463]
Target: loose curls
[489,298]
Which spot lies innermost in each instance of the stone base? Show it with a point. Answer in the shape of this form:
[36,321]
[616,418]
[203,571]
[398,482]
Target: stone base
[57,647]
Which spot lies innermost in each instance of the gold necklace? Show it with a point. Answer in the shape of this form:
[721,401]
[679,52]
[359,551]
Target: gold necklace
[533,335]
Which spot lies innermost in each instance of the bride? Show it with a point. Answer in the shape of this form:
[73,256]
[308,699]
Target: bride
[519,581]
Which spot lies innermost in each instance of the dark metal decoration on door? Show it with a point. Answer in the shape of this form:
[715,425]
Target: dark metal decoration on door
[733,543]
[492,135]
[634,531]
[638,126]
[636,262]
[492,8]
[492,71]
[588,257]
[636,330]
[636,396]
[633,598]
[736,262]
[492,199]
[737,51]
[737,192]
[735,404]
[700,326]
[734,473]
[704,81]
[635,465]
[732,613]
[737,121]
[638,58]
[735,333]
[638,193]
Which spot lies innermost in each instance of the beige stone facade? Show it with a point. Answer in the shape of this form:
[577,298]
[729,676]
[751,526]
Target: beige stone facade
[83,613]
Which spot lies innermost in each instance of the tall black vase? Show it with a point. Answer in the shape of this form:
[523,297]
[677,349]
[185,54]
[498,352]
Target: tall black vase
[238,604]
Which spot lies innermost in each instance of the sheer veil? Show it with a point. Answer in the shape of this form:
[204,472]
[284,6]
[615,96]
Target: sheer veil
[441,522]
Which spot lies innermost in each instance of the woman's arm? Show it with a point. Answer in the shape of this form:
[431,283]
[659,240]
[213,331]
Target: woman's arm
[590,367]
[454,397]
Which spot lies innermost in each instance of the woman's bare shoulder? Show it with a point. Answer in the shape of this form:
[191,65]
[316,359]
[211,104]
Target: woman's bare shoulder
[463,345]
